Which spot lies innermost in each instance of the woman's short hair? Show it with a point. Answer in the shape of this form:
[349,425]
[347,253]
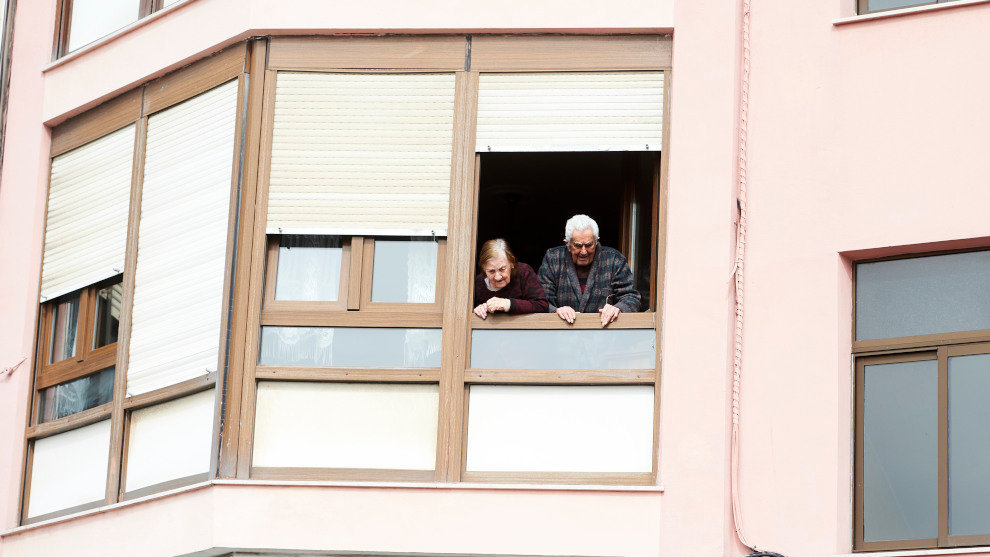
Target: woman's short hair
[497,248]
[578,223]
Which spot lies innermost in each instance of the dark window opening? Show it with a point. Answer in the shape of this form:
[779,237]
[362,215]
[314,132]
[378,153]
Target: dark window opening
[527,197]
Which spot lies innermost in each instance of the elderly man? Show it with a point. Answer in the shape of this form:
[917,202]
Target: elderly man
[583,276]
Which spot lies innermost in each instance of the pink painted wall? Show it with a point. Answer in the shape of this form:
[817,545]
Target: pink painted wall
[864,136]
[22,204]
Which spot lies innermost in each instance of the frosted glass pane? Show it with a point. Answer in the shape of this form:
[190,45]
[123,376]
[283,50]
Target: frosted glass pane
[564,349]
[900,451]
[309,268]
[923,295]
[346,425]
[349,347]
[70,469]
[405,271]
[170,440]
[513,428]
[92,19]
[969,445]
[875,5]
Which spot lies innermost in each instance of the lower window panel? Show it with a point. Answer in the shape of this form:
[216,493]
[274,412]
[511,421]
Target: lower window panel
[969,445]
[346,425]
[900,490]
[69,469]
[170,441]
[594,429]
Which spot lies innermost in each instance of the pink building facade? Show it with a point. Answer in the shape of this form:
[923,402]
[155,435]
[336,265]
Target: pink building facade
[798,188]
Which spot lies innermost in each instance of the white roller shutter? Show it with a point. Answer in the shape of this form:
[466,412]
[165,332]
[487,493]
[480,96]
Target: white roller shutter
[572,111]
[364,154]
[182,241]
[88,200]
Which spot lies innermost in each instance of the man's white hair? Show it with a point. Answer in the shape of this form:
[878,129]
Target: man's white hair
[578,223]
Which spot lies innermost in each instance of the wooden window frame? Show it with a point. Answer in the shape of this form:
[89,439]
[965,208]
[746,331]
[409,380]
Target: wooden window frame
[940,347]
[134,107]
[466,57]
[87,359]
[356,276]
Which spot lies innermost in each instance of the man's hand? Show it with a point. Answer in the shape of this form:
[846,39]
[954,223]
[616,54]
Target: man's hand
[566,313]
[498,304]
[481,311]
[609,313]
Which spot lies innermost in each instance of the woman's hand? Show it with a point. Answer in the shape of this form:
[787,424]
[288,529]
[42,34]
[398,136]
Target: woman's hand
[482,310]
[497,304]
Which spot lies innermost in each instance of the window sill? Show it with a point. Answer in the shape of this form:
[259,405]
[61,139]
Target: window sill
[640,320]
[921,552]
[100,42]
[657,489]
[904,12]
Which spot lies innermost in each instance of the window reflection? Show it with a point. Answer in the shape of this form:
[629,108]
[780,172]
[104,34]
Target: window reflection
[65,322]
[405,271]
[74,396]
[309,268]
[107,319]
[349,347]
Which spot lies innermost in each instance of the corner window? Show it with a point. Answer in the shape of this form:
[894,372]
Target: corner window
[922,379]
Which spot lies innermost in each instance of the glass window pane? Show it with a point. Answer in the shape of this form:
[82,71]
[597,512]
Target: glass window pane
[76,395]
[349,347]
[564,349]
[92,19]
[107,321]
[405,271]
[875,5]
[309,268]
[900,445]
[64,325]
[346,425]
[923,295]
[969,445]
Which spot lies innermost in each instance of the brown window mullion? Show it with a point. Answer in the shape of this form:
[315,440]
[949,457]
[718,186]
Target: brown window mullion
[943,446]
[355,286]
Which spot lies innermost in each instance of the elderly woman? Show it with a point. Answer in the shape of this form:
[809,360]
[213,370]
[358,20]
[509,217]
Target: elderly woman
[505,284]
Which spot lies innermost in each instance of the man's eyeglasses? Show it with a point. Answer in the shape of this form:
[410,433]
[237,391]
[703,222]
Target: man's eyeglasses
[577,246]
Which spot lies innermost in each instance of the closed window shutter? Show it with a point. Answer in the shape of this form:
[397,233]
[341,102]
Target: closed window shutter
[88,199]
[182,241]
[362,154]
[572,111]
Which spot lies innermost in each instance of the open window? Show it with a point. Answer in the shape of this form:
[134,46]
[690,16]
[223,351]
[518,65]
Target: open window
[526,198]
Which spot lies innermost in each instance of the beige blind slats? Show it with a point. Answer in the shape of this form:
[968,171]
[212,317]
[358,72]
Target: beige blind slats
[363,154]
[182,241]
[88,199]
[572,111]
